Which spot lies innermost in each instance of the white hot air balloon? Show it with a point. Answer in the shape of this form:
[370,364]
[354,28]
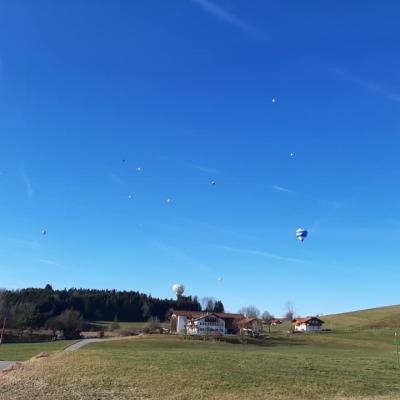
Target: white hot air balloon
[178,289]
[273,100]
[219,279]
[292,155]
[301,234]
[139,169]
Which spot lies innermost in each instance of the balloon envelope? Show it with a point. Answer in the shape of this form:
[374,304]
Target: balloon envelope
[301,234]
[178,289]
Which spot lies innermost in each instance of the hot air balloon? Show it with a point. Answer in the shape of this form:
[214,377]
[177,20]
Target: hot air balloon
[44,232]
[213,183]
[301,234]
[219,279]
[178,289]
[292,155]
[273,100]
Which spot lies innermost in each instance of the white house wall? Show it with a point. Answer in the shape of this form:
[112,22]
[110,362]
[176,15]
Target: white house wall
[181,324]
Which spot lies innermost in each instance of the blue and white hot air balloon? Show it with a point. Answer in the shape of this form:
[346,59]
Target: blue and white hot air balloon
[301,234]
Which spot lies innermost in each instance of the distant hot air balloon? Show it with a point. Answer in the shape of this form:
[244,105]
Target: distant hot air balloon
[301,234]
[139,169]
[44,232]
[292,155]
[212,182]
[178,289]
[219,279]
[273,100]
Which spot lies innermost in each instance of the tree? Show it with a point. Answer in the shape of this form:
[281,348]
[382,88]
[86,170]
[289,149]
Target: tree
[25,316]
[115,325]
[70,322]
[290,309]
[219,307]
[250,312]
[289,315]
[208,304]
[153,325]
[267,319]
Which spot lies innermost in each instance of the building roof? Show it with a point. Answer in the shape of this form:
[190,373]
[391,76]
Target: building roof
[246,321]
[305,320]
[199,314]
[207,315]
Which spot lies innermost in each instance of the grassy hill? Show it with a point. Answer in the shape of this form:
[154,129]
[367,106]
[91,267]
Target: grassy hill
[357,360]
[373,318]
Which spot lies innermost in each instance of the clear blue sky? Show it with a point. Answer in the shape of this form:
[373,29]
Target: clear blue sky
[182,89]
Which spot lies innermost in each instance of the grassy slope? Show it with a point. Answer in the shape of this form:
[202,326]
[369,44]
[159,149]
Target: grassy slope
[373,318]
[347,363]
[24,351]
[123,325]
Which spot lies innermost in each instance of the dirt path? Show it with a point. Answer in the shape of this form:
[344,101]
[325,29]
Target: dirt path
[6,364]
[84,342]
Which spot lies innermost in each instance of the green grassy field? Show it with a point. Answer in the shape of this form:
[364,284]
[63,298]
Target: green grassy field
[351,362]
[125,325]
[24,351]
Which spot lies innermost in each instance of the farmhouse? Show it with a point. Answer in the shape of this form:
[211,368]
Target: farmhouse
[180,320]
[276,322]
[209,324]
[307,324]
[250,326]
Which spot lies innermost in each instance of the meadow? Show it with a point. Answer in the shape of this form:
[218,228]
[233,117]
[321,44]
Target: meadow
[357,360]
[24,351]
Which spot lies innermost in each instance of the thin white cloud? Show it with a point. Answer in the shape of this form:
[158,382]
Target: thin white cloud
[30,244]
[27,184]
[205,169]
[116,179]
[372,86]
[264,254]
[177,253]
[48,262]
[225,15]
[281,189]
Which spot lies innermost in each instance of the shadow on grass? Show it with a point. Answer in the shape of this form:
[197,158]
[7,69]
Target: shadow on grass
[289,340]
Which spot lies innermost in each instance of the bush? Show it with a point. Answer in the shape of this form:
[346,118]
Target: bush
[126,332]
[153,325]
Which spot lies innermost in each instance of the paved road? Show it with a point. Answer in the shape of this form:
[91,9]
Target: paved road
[84,342]
[5,364]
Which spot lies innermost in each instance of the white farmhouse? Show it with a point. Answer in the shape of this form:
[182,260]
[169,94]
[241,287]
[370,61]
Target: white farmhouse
[209,324]
[308,324]
[183,321]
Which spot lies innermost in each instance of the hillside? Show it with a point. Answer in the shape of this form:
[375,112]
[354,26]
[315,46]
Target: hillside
[374,318]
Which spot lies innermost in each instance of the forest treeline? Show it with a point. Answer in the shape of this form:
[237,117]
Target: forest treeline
[32,307]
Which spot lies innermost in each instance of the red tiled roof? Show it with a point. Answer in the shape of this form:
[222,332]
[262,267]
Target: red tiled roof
[248,320]
[198,314]
[304,320]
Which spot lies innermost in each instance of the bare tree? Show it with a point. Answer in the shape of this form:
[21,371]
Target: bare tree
[153,325]
[250,312]
[208,304]
[289,311]
[267,318]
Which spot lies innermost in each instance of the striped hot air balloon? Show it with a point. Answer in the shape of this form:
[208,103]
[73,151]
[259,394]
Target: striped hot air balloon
[301,234]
